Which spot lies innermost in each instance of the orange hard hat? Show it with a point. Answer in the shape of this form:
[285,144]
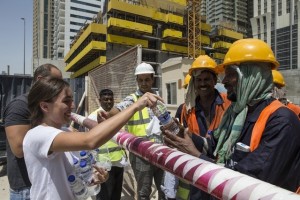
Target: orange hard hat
[204,62]
[278,78]
[249,50]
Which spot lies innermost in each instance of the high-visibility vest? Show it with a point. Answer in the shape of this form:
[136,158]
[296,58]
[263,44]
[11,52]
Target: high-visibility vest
[260,124]
[191,117]
[183,190]
[139,121]
[112,149]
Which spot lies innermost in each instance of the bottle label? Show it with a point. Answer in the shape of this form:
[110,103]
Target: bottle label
[164,118]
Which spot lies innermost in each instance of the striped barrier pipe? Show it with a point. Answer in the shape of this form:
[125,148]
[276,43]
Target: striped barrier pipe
[217,180]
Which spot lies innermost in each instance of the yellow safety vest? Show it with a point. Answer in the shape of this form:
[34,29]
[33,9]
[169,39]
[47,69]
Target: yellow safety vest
[112,149]
[139,121]
[183,190]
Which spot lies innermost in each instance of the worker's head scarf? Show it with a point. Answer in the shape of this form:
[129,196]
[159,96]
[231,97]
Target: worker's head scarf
[254,84]
[192,93]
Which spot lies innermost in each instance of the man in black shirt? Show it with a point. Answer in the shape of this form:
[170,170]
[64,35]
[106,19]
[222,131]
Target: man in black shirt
[17,123]
[258,135]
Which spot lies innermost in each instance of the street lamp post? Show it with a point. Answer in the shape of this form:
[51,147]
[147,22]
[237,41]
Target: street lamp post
[24,42]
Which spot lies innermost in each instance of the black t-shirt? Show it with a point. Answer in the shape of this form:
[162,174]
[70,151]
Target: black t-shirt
[16,113]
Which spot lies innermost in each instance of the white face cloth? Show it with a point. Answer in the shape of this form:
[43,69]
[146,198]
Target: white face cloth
[153,127]
[191,91]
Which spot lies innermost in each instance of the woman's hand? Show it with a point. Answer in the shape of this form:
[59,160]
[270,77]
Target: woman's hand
[100,175]
[184,144]
[148,99]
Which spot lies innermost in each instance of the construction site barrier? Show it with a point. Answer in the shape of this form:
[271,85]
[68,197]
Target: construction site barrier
[221,182]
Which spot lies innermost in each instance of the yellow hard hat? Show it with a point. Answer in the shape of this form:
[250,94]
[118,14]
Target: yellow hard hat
[204,62]
[278,78]
[186,81]
[248,50]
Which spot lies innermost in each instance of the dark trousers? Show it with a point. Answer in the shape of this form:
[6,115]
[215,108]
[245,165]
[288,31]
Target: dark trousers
[112,188]
[144,173]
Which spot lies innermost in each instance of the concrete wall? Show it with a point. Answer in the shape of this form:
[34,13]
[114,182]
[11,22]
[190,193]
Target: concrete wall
[174,70]
[292,79]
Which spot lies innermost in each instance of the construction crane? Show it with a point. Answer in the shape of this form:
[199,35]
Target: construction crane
[194,28]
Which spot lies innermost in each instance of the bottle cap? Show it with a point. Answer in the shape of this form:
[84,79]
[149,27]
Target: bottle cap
[82,163]
[82,153]
[75,161]
[71,178]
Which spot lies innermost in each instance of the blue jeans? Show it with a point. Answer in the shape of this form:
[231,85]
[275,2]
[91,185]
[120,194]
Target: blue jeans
[22,194]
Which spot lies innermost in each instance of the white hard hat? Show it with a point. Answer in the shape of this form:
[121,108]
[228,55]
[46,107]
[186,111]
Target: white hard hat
[144,68]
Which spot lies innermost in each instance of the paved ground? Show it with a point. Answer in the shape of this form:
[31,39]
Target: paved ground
[4,187]
[128,186]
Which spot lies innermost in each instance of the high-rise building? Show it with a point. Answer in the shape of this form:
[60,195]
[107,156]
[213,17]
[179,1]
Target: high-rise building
[69,17]
[55,24]
[277,23]
[232,14]
[42,28]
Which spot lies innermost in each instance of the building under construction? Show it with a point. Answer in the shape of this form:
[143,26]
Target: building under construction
[159,26]
[163,28]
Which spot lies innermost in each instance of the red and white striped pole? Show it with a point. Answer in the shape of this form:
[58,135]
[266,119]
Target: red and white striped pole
[217,180]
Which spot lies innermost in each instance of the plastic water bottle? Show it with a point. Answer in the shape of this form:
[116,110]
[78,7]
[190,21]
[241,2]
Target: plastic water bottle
[88,157]
[95,153]
[161,112]
[104,161]
[86,172]
[94,189]
[78,188]
[76,166]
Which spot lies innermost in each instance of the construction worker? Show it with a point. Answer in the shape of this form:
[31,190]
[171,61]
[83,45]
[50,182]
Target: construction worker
[144,172]
[203,109]
[279,92]
[112,188]
[258,135]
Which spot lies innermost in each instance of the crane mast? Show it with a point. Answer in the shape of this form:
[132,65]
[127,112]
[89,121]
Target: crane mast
[194,28]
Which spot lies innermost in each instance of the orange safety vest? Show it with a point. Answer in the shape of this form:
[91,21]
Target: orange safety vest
[191,118]
[294,108]
[260,124]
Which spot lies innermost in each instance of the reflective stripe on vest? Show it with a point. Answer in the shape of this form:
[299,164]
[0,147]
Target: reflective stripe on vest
[260,124]
[191,117]
[115,152]
[139,121]
[183,191]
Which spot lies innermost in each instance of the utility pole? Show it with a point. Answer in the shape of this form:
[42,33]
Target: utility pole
[24,42]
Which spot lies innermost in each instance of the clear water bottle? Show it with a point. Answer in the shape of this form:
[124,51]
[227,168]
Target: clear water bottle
[161,112]
[78,188]
[88,157]
[86,172]
[95,153]
[104,161]
[76,166]
[94,189]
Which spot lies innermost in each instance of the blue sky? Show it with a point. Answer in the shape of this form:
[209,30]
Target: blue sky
[12,35]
